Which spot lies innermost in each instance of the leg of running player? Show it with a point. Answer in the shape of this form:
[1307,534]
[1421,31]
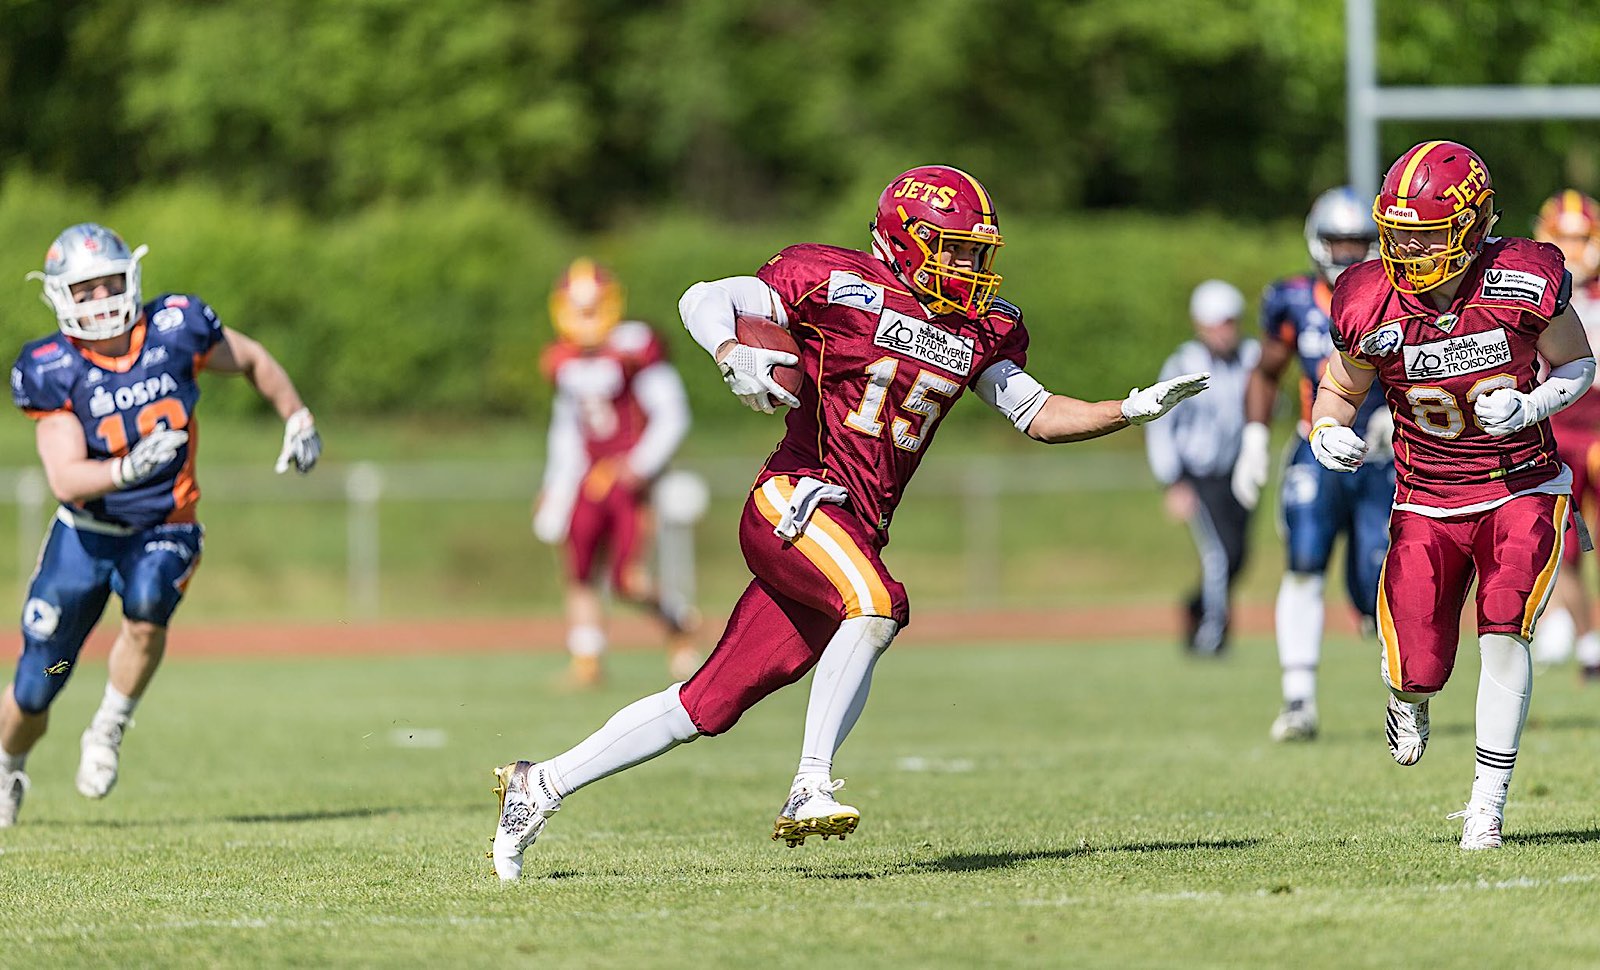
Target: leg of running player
[586,636]
[151,578]
[631,579]
[1518,550]
[65,599]
[1311,518]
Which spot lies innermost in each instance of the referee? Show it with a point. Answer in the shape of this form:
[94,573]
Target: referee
[1192,454]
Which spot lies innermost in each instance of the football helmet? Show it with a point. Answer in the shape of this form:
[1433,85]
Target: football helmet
[88,251]
[924,213]
[1435,187]
[1338,214]
[1571,220]
[586,303]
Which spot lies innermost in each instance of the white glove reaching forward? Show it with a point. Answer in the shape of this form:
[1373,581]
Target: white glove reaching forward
[1336,446]
[1157,399]
[748,373]
[146,457]
[1250,471]
[1503,411]
[302,446]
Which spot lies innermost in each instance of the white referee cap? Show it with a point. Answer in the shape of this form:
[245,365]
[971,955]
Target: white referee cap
[1215,302]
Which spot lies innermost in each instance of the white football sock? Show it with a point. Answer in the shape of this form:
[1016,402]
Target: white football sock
[1299,623]
[644,729]
[586,641]
[839,688]
[116,704]
[1504,687]
[12,762]
[1589,649]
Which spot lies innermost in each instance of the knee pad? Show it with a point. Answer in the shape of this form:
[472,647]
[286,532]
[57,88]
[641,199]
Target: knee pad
[41,673]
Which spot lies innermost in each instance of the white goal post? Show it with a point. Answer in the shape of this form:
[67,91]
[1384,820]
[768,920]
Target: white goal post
[1368,104]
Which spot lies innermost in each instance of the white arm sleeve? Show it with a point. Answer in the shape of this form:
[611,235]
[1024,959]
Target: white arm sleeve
[1564,385]
[565,464]
[708,309]
[1012,391]
[660,393]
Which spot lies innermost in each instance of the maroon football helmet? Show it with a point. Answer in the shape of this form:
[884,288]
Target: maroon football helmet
[1438,187]
[937,228]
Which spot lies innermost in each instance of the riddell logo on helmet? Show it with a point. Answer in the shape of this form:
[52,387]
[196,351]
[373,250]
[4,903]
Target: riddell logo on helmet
[1400,212]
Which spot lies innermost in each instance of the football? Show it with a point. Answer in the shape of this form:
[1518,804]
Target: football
[761,332]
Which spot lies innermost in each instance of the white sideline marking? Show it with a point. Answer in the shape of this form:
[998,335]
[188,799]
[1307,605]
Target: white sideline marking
[418,738]
[935,765]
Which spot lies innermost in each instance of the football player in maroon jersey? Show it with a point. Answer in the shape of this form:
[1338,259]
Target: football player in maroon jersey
[888,341]
[1571,220]
[618,415]
[1451,321]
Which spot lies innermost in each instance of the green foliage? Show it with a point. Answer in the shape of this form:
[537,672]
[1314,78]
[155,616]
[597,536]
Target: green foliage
[738,107]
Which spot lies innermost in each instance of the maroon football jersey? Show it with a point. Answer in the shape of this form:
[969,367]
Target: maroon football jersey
[600,382]
[880,374]
[1433,365]
[1582,417]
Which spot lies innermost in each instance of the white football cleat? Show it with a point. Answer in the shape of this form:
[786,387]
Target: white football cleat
[526,802]
[13,785]
[102,747]
[1480,828]
[1296,722]
[812,810]
[1407,730]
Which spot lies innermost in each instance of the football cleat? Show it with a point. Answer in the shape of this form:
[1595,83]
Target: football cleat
[101,752]
[526,803]
[1407,730]
[585,673]
[13,785]
[682,662]
[812,810]
[1296,722]
[1480,828]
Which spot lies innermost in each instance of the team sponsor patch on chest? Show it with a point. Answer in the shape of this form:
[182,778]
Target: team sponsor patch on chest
[1513,284]
[925,342]
[848,289]
[1465,354]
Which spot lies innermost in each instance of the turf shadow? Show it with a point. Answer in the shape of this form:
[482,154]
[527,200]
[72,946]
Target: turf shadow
[1557,837]
[981,861]
[329,815]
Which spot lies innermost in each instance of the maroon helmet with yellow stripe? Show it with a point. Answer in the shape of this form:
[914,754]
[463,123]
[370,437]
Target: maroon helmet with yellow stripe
[1438,187]
[1571,220]
[586,303]
[928,210]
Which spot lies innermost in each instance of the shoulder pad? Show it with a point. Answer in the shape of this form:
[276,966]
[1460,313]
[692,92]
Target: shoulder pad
[631,337]
[1007,309]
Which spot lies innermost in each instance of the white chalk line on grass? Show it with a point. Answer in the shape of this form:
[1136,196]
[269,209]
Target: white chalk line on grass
[66,930]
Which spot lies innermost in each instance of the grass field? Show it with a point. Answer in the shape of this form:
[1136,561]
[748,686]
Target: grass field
[1075,805]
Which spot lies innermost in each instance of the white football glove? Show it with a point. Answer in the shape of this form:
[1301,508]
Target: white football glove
[1250,471]
[1503,411]
[1336,446]
[748,373]
[1157,399]
[302,446]
[146,457]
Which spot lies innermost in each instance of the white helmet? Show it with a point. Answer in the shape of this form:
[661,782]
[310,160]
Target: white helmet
[89,251]
[1339,214]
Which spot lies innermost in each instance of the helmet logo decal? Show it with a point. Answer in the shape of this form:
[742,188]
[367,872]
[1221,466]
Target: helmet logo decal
[941,196]
[1466,191]
[1401,212]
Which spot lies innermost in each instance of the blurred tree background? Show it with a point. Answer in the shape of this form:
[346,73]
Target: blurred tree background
[383,189]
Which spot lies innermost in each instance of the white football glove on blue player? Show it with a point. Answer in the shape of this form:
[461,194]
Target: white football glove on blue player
[1336,446]
[1157,399]
[146,457]
[302,446]
[748,373]
[1251,470]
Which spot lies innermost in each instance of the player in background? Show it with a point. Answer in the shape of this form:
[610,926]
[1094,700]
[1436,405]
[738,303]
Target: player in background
[1317,505]
[1452,323]
[1571,221]
[1193,455]
[889,341]
[113,397]
[618,415]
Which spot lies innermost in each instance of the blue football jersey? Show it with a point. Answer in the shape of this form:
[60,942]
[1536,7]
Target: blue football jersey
[119,400]
[1296,311]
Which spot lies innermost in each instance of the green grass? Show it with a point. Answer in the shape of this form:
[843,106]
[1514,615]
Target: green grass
[1073,805]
